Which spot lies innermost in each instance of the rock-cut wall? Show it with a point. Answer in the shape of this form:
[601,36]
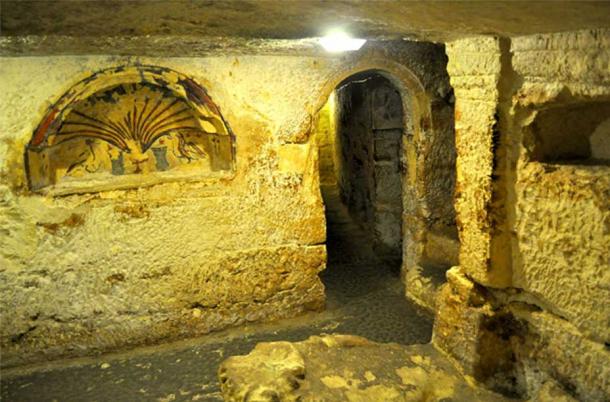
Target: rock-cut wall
[100,260]
[117,231]
[527,303]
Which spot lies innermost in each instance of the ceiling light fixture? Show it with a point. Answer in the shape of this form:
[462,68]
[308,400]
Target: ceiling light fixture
[339,41]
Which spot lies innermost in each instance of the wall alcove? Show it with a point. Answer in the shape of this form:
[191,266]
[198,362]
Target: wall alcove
[571,133]
[128,127]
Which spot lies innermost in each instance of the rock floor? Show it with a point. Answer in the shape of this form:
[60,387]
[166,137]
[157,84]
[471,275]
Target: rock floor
[364,297]
[346,368]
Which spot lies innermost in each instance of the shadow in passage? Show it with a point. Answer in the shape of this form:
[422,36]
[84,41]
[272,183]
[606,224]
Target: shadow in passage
[359,133]
[362,289]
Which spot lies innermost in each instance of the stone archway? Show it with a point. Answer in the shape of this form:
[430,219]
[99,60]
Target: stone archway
[363,146]
[421,180]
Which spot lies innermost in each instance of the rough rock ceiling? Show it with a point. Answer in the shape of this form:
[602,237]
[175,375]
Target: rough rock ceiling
[285,19]
[296,18]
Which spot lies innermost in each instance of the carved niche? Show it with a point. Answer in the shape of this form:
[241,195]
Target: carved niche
[127,127]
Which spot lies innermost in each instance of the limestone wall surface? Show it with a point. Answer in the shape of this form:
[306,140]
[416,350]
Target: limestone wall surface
[105,268]
[324,130]
[475,67]
[532,210]
[563,208]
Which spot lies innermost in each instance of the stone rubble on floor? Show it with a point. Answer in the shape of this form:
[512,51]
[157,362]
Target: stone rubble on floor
[345,368]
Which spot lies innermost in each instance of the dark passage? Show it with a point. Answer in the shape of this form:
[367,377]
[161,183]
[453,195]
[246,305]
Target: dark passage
[364,298]
[369,131]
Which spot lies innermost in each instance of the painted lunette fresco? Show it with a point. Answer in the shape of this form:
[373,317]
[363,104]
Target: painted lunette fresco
[129,121]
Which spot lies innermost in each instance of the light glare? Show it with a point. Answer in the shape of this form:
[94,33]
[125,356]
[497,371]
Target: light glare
[338,41]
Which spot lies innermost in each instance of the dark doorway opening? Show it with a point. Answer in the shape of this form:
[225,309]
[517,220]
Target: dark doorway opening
[359,135]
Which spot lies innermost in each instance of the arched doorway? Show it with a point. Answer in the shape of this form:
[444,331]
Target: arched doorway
[410,157]
[359,134]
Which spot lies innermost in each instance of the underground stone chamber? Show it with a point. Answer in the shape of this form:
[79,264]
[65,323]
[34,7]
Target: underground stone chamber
[181,182]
